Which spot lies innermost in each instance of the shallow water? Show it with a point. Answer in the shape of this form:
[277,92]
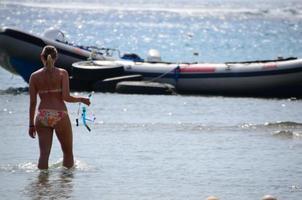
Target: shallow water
[162,147]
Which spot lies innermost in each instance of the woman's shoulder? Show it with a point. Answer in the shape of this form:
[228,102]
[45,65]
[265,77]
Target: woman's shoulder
[62,71]
[36,73]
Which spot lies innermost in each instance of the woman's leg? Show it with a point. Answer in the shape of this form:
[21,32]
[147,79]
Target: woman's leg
[64,134]
[45,135]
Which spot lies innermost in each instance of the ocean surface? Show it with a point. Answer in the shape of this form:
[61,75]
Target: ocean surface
[162,147]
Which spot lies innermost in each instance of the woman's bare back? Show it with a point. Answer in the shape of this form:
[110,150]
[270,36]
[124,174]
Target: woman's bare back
[49,86]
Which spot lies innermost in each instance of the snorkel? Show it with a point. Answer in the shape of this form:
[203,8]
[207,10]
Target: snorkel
[84,115]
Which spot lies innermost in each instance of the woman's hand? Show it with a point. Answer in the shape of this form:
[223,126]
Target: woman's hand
[85,101]
[32,131]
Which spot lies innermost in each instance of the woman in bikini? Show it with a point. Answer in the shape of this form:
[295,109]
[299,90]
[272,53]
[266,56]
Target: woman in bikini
[52,86]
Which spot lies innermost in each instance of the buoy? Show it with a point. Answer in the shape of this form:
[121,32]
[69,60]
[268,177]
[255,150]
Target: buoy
[153,56]
[195,53]
[269,197]
[144,87]
[212,198]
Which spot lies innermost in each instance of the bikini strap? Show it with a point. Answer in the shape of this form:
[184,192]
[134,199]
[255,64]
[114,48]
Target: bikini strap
[50,91]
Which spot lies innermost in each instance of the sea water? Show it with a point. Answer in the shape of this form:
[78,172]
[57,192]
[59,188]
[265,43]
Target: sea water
[161,147]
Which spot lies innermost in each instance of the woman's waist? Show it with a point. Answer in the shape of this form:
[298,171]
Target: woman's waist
[52,110]
[49,106]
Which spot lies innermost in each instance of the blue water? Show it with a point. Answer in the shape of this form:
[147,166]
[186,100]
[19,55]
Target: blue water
[217,30]
[162,147]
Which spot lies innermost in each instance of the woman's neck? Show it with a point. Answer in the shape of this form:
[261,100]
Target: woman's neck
[49,69]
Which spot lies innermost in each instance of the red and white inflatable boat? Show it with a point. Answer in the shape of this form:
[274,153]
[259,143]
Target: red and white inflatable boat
[270,77]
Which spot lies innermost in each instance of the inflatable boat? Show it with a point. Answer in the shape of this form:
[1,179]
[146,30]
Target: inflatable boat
[20,54]
[281,77]
[20,51]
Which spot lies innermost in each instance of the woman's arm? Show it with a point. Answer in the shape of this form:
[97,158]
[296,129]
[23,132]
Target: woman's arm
[66,91]
[32,106]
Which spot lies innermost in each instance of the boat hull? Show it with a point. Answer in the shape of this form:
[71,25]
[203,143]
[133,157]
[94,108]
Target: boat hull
[263,85]
[267,78]
[20,52]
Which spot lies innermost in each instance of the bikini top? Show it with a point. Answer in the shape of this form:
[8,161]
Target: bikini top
[50,91]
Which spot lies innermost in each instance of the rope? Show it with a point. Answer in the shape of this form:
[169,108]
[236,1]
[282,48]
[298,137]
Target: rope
[176,74]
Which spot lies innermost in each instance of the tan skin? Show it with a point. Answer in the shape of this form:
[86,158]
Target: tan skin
[49,79]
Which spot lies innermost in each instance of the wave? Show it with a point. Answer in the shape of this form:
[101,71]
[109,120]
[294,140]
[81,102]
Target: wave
[183,9]
[284,124]
[287,134]
[278,124]
[25,167]
[284,129]
[30,167]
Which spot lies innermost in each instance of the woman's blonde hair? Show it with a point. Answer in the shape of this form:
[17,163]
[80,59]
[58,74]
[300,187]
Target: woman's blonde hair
[49,53]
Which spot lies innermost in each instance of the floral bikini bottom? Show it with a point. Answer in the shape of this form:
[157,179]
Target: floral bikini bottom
[49,117]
